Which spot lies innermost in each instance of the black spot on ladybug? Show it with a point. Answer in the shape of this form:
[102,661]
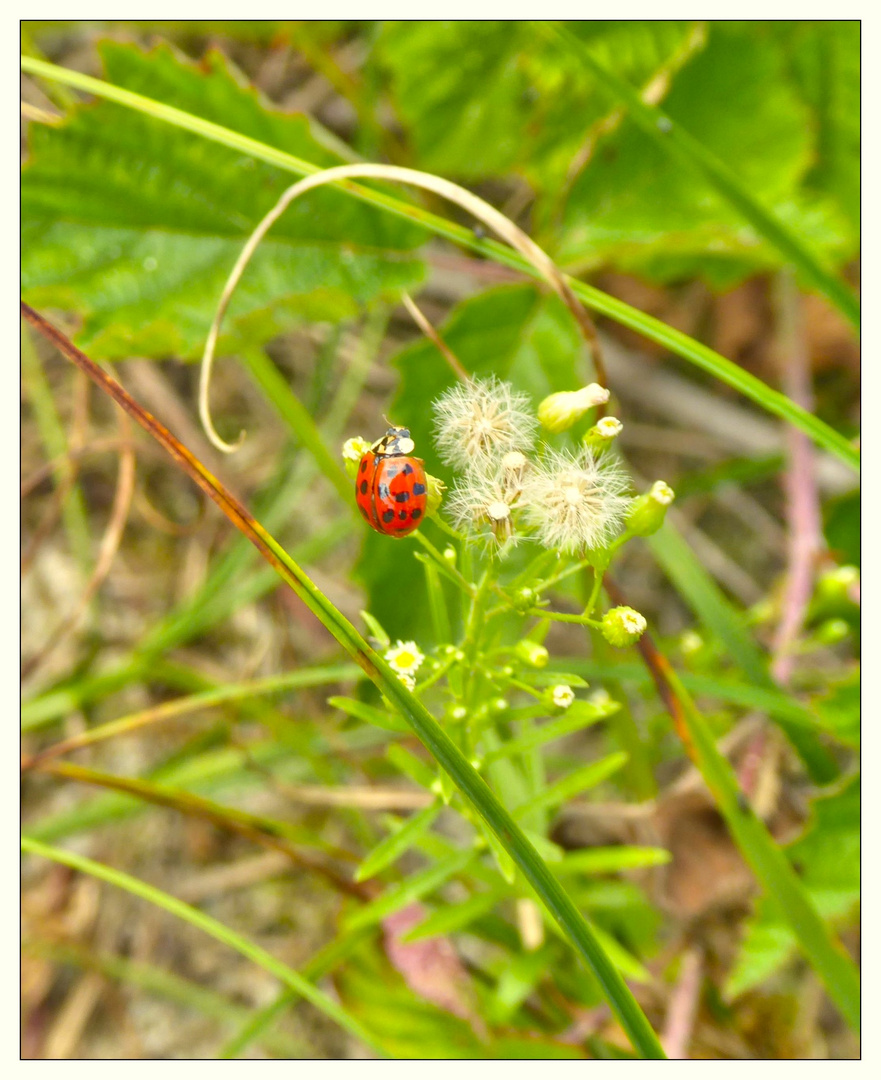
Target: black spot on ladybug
[384,491]
[402,496]
[403,515]
[419,489]
[363,511]
[364,465]
[407,469]
[363,487]
[388,515]
[416,514]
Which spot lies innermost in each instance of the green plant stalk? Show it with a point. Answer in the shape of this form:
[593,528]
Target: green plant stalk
[210,926]
[681,344]
[694,156]
[426,728]
[828,958]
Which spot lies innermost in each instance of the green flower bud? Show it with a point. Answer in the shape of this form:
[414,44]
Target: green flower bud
[449,553]
[560,411]
[832,631]
[435,494]
[531,653]
[647,512]
[353,451]
[524,599]
[603,434]
[838,584]
[623,626]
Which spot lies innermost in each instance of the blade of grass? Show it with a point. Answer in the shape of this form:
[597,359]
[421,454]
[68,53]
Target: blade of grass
[694,156]
[681,344]
[396,843]
[165,984]
[435,739]
[709,603]
[210,926]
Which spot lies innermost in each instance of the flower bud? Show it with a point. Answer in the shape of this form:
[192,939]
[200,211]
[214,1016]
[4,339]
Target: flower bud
[603,433]
[531,653]
[560,411]
[622,626]
[561,696]
[353,451]
[647,512]
[832,631]
[449,554]
[435,494]
[839,584]
[524,599]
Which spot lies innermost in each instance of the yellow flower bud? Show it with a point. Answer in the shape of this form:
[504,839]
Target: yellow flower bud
[353,451]
[623,626]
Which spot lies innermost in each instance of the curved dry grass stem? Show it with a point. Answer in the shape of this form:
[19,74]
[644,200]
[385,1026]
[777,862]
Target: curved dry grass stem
[501,225]
[431,333]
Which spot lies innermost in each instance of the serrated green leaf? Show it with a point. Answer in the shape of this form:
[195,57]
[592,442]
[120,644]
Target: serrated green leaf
[396,843]
[135,225]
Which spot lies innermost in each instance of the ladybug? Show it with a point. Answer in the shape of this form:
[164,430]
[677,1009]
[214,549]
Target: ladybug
[390,487]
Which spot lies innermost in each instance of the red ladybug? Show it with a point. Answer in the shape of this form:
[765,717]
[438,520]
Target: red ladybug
[390,487]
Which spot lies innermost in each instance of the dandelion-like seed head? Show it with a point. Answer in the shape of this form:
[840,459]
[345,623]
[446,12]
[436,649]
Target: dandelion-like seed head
[404,658]
[576,502]
[480,421]
[484,498]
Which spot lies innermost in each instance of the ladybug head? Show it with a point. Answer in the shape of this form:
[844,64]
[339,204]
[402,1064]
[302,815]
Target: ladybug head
[395,441]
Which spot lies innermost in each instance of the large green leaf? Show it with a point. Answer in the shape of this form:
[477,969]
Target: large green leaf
[637,206]
[481,98]
[135,224]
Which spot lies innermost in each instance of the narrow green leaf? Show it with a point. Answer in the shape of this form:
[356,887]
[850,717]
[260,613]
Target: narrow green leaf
[410,765]
[408,891]
[360,711]
[394,845]
[209,925]
[572,784]
[579,715]
[447,920]
[610,860]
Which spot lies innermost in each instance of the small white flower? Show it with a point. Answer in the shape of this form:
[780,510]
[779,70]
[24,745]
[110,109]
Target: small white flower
[404,658]
[560,411]
[662,493]
[563,696]
[576,502]
[480,421]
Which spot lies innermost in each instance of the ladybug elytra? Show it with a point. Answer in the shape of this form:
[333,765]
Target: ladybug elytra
[390,487]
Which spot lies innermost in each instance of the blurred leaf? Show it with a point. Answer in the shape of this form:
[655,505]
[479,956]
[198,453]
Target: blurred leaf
[135,224]
[840,709]
[412,888]
[842,526]
[454,917]
[381,718]
[575,782]
[484,98]
[396,843]
[828,858]
[639,208]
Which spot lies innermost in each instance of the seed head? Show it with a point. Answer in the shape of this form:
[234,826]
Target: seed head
[485,498]
[575,502]
[478,422]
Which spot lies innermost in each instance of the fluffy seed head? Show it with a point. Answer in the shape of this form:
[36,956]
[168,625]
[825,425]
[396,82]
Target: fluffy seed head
[484,498]
[480,421]
[575,502]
